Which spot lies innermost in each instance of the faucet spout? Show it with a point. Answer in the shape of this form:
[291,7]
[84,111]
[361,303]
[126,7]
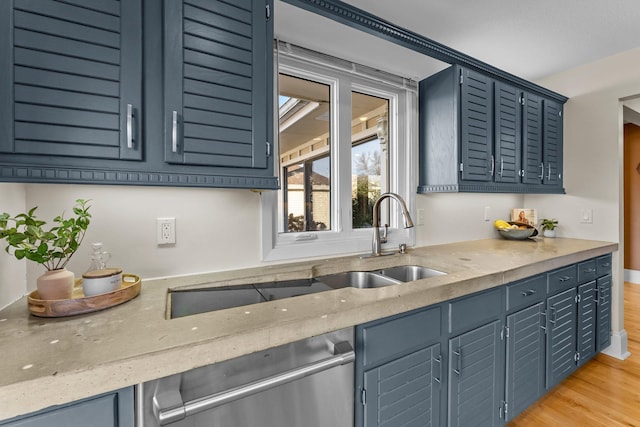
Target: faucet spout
[376,247]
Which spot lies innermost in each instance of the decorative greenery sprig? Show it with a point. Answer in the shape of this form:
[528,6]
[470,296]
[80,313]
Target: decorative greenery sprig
[52,248]
[549,224]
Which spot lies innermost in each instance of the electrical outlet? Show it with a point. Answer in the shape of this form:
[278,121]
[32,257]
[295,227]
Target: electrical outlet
[166,231]
[586,216]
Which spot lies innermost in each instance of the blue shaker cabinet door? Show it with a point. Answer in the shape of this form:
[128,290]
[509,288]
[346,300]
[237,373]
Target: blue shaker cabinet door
[476,125]
[508,134]
[77,70]
[604,312]
[475,375]
[405,391]
[525,359]
[218,59]
[113,409]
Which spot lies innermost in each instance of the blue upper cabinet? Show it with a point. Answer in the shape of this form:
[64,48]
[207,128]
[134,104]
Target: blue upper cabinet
[76,89]
[478,134]
[217,94]
[137,92]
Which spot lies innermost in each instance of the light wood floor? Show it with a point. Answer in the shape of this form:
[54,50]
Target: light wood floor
[604,392]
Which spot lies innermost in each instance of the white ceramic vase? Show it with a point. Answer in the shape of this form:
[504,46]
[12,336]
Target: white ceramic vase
[56,284]
[549,233]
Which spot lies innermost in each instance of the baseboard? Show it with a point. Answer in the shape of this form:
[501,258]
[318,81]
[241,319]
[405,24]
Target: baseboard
[618,347]
[632,276]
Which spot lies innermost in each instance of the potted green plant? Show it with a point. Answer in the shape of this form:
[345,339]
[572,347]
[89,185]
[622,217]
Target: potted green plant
[26,237]
[549,227]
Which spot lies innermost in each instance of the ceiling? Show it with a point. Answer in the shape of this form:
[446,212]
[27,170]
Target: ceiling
[531,39]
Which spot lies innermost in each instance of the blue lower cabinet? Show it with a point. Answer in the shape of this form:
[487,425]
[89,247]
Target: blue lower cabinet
[476,370]
[587,322]
[405,391]
[113,409]
[399,369]
[603,298]
[561,336]
[524,381]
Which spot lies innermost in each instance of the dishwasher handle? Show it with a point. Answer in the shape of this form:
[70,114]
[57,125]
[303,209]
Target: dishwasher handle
[172,409]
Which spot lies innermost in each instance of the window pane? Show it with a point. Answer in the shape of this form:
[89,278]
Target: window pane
[369,155]
[304,120]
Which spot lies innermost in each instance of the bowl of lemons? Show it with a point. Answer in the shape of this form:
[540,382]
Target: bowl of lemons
[513,230]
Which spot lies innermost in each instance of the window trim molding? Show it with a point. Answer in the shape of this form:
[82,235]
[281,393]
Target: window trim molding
[341,240]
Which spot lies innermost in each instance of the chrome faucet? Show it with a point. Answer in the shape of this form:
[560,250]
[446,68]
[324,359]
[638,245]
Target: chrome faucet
[376,249]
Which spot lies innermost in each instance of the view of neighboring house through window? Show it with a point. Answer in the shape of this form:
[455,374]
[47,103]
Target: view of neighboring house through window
[305,154]
[369,160]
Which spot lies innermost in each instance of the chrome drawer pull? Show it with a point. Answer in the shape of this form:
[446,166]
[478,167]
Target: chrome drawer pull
[175,413]
[564,278]
[528,292]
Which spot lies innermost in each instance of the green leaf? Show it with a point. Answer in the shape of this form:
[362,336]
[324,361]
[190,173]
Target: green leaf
[43,248]
[19,253]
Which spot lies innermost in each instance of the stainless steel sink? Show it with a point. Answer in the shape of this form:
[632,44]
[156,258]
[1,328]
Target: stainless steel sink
[409,273]
[357,279]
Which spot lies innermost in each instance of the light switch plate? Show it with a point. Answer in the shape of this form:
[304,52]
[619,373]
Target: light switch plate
[586,216]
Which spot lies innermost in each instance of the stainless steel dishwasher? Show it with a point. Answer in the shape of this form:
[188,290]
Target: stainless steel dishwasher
[307,383]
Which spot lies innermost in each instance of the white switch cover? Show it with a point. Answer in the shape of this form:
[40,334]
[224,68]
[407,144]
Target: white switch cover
[586,216]
[487,213]
[166,234]
[420,217]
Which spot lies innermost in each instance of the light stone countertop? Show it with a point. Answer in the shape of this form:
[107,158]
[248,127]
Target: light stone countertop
[56,361]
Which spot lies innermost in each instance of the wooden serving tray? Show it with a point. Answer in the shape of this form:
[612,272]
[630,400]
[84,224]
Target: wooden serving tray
[79,304]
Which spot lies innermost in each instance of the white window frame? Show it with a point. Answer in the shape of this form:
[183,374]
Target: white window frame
[342,238]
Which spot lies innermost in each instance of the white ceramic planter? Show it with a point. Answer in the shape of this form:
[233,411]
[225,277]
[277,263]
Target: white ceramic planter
[549,233]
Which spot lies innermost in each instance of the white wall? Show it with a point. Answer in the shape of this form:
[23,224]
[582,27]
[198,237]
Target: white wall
[12,272]
[593,158]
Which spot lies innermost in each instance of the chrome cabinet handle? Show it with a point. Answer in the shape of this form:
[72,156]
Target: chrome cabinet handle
[549,173]
[501,166]
[552,317]
[589,270]
[129,126]
[528,292]
[493,165]
[458,355]
[174,132]
[543,322]
[541,176]
[564,278]
[171,412]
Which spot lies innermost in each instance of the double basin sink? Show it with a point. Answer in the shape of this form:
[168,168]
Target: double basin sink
[185,302]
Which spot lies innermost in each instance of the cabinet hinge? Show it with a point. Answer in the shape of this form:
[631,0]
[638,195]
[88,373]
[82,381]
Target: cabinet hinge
[576,357]
[522,100]
[461,167]
[461,77]
[268,12]
[268,149]
[363,396]
[559,113]
[577,298]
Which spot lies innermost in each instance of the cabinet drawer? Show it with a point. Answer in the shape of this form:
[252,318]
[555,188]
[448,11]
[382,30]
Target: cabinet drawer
[562,279]
[526,292]
[587,271]
[475,310]
[393,338]
[603,265]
